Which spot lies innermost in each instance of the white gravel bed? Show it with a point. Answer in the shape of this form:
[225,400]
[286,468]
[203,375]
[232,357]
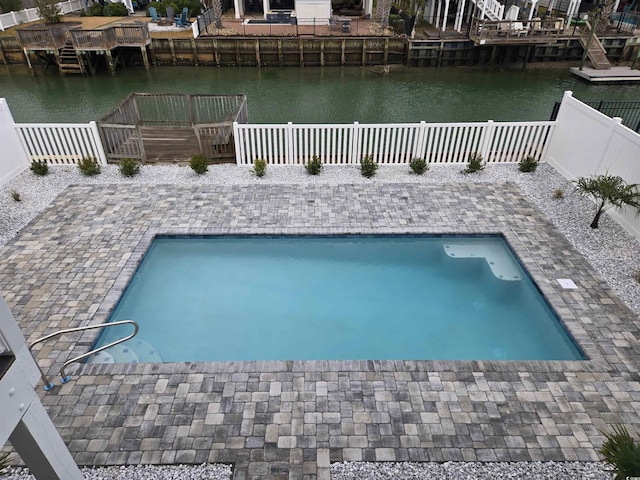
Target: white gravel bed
[470,471]
[143,472]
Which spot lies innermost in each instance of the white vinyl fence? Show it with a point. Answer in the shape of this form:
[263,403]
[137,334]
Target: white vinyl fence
[12,19]
[64,143]
[587,142]
[391,143]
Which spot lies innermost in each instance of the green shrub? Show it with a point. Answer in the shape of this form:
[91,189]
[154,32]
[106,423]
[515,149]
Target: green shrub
[7,6]
[112,9]
[160,7]
[194,6]
[418,165]
[636,276]
[95,10]
[528,164]
[620,451]
[5,463]
[314,166]
[16,196]
[558,193]
[39,167]
[49,11]
[129,167]
[475,163]
[89,166]
[259,167]
[199,164]
[368,166]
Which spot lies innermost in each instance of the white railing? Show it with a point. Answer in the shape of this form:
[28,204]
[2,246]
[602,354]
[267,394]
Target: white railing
[12,19]
[391,143]
[64,143]
[494,7]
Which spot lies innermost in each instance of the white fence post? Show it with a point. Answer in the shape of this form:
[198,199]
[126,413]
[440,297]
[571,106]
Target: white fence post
[290,150]
[418,141]
[236,141]
[487,137]
[98,143]
[355,144]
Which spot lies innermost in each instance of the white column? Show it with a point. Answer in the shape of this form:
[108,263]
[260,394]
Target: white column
[446,13]
[368,8]
[533,7]
[437,24]
[615,5]
[266,6]
[459,15]
[238,8]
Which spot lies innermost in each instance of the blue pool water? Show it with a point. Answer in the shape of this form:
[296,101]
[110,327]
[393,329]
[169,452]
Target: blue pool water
[325,298]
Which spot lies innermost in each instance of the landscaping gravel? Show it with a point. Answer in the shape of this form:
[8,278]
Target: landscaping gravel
[144,472]
[610,250]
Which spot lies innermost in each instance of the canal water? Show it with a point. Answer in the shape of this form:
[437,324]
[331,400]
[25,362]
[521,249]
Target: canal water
[313,95]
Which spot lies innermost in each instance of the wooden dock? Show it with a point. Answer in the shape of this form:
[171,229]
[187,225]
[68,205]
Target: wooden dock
[614,75]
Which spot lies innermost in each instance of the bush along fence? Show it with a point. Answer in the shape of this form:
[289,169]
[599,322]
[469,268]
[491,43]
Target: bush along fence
[11,19]
[391,143]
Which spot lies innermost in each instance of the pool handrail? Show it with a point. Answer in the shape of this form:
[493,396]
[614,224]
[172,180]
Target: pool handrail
[64,378]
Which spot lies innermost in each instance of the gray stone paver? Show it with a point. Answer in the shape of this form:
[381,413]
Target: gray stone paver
[291,419]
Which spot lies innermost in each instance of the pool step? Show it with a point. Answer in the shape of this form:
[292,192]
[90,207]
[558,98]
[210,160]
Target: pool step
[500,262]
[135,350]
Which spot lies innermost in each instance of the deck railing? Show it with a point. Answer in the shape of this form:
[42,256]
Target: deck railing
[93,39]
[391,143]
[536,30]
[132,35]
[42,38]
[64,143]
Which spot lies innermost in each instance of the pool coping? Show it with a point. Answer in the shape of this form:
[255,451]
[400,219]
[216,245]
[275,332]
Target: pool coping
[547,288]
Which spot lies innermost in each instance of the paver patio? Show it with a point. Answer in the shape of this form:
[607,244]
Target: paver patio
[290,419]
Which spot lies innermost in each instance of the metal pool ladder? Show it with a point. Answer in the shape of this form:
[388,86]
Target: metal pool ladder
[64,378]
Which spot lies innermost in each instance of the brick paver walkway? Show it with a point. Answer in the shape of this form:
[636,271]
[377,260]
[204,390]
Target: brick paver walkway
[291,419]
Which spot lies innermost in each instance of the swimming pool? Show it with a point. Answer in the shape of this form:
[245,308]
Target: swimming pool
[405,297]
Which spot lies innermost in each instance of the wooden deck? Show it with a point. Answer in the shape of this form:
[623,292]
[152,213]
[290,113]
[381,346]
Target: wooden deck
[104,39]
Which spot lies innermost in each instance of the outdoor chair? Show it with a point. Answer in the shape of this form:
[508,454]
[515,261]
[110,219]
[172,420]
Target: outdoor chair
[334,22]
[171,15]
[153,13]
[183,19]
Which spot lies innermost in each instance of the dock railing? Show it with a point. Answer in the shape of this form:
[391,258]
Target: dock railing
[43,38]
[93,39]
[391,143]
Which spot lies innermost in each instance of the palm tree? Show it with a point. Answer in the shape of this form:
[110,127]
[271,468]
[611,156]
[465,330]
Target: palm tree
[620,451]
[5,463]
[383,9]
[608,191]
[605,13]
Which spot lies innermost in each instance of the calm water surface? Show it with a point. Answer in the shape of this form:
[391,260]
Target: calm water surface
[313,95]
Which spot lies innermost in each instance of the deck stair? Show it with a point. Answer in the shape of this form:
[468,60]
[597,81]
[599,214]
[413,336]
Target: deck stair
[69,61]
[597,54]
[493,15]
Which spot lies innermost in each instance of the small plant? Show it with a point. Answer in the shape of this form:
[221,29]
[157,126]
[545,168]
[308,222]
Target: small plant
[49,11]
[5,463]
[475,163]
[89,166]
[259,167]
[16,196]
[558,193]
[39,167]
[636,276]
[314,166]
[368,167]
[528,164]
[620,451]
[608,191]
[199,164]
[129,167]
[94,10]
[418,165]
